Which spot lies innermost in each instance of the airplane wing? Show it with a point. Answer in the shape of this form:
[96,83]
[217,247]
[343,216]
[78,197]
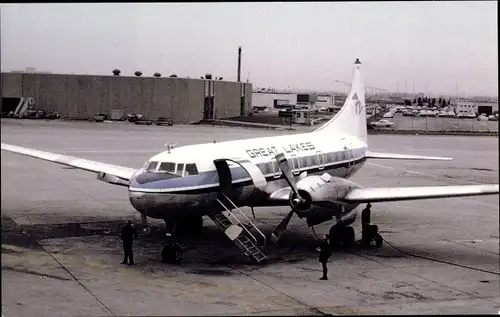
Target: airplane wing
[113,174]
[371,195]
[385,194]
[394,156]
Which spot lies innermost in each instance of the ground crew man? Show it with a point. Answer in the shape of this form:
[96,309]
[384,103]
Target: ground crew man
[325,252]
[365,222]
[129,234]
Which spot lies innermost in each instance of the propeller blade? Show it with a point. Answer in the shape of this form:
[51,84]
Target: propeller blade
[276,235]
[287,172]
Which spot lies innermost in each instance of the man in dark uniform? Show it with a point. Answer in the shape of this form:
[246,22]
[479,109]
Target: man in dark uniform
[129,234]
[325,251]
[365,221]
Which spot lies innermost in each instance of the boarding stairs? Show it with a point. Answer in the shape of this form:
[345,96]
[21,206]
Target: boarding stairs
[235,224]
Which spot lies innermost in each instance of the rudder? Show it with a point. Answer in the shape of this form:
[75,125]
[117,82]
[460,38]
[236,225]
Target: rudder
[351,118]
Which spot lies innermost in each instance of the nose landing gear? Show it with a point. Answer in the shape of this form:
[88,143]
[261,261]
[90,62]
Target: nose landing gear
[172,252]
[190,226]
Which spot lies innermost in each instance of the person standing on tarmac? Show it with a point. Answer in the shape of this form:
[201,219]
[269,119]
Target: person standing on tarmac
[365,222]
[129,234]
[325,252]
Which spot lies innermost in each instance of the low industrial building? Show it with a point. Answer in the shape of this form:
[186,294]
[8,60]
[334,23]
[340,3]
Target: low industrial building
[273,99]
[475,107]
[184,100]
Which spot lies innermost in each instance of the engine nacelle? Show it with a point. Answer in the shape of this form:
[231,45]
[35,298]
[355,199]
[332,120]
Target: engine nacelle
[321,190]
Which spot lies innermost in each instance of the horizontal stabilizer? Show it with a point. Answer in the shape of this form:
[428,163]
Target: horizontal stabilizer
[371,195]
[124,173]
[394,156]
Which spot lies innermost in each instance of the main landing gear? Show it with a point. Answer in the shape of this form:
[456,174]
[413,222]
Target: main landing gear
[172,251]
[341,236]
[344,236]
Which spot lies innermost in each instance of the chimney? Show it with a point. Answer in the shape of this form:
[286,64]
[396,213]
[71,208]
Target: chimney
[239,63]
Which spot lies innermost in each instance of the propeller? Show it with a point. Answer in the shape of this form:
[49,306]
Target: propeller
[287,172]
[297,199]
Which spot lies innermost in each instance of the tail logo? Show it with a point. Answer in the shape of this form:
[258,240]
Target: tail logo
[358,105]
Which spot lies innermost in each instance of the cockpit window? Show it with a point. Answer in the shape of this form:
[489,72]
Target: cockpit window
[191,170]
[167,167]
[151,166]
[180,169]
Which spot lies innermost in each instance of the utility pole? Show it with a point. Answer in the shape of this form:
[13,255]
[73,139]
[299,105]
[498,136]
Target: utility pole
[239,63]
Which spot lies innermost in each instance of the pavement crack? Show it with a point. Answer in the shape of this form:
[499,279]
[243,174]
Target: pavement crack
[42,275]
[69,272]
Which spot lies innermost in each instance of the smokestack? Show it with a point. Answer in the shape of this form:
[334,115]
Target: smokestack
[239,63]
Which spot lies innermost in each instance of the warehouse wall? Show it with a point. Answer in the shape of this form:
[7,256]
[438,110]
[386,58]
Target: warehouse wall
[82,96]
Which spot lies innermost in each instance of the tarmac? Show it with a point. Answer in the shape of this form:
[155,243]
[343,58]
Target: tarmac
[61,251]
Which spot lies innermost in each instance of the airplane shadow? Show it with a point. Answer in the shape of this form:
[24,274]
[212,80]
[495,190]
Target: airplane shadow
[214,251]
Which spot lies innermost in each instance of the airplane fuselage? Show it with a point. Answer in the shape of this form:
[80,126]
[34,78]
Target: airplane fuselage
[158,194]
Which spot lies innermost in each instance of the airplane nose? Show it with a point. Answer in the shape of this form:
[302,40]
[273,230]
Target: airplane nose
[139,201]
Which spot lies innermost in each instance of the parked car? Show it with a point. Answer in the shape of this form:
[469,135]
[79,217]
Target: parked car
[422,113]
[389,114]
[466,115]
[100,117]
[382,124]
[132,117]
[492,118]
[143,121]
[164,121]
[482,117]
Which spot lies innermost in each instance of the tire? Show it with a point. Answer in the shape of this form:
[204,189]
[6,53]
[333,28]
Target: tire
[335,235]
[171,254]
[348,236]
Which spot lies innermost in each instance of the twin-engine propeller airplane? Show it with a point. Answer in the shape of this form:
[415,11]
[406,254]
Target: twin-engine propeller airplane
[307,171]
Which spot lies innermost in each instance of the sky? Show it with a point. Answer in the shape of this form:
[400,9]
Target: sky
[443,47]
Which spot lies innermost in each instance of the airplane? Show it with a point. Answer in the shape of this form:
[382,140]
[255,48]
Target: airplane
[308,171]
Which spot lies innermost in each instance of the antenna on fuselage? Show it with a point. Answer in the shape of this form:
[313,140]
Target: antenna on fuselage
[170,146]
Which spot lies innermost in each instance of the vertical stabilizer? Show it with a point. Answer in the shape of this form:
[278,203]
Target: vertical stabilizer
[351,118]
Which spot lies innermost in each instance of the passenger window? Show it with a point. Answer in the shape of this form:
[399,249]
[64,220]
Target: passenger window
[167,167]
[191,169]
[151,166]
[180,169]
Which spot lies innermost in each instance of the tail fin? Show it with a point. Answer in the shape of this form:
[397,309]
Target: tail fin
[351,119]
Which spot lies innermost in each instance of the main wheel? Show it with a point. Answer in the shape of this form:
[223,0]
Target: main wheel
[171,254]
[335,236]
[348,236]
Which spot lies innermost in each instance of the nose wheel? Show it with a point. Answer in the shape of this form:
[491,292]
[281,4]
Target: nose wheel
[171,253]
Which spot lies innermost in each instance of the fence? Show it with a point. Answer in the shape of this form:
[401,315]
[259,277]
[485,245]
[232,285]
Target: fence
[440,124]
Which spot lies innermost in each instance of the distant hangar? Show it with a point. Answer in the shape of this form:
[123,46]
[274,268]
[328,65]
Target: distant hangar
[274,99]
[184,100]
